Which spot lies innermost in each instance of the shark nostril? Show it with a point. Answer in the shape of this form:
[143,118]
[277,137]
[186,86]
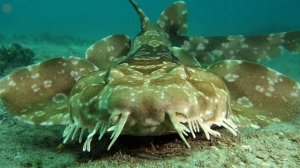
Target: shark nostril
[114,119]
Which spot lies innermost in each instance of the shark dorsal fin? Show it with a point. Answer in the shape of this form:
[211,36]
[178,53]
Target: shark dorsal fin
[145,21]
[174,19]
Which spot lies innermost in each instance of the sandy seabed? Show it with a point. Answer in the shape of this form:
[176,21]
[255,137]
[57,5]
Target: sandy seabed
[23,145]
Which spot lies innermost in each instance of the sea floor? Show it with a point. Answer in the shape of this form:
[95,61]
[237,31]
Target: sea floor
[23,145]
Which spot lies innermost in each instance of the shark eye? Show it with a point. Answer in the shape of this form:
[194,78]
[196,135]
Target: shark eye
[114,117]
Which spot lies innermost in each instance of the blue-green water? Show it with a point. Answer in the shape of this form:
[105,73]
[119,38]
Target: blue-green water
[97,18]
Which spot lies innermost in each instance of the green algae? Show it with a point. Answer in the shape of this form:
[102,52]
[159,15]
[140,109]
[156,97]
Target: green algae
[15,56]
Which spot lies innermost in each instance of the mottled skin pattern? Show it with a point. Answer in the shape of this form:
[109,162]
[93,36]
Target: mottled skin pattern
[161,82]
[153,100]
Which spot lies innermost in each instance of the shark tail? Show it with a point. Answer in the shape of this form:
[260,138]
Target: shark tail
[145,21]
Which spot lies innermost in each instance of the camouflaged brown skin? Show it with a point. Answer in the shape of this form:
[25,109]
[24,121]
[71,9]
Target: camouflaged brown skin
[168,62]
[39,93]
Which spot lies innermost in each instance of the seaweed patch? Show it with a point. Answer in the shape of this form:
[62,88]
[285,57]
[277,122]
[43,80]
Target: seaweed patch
[15,56]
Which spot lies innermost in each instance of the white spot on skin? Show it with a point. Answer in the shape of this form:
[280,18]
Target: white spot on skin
[110,48]
[161,24]
[268,94]
[208,112]
[57,116]
[162,96]
[200,46]
[61,72]
[47,123]
[2,91]
[35,75]
[294,94]
[271,89]
[74,74]
[47,83]
[39,113]
[245,102]
[132,97]
[75,62]
[185,110]
[224,113]
[238,62]
[255,126]
[150,122]
[270,81]
[225,45]
[35,88]
[12,83]
[284,99]
[259,88]
[231,77]
[261,117]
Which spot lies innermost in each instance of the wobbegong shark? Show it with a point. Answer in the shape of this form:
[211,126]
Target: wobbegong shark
[161,82]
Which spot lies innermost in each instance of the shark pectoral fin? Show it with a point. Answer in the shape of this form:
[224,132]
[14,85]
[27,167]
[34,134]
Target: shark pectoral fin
[174,19]
[108,51]
[251,48]
[259,95]
[39,94]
